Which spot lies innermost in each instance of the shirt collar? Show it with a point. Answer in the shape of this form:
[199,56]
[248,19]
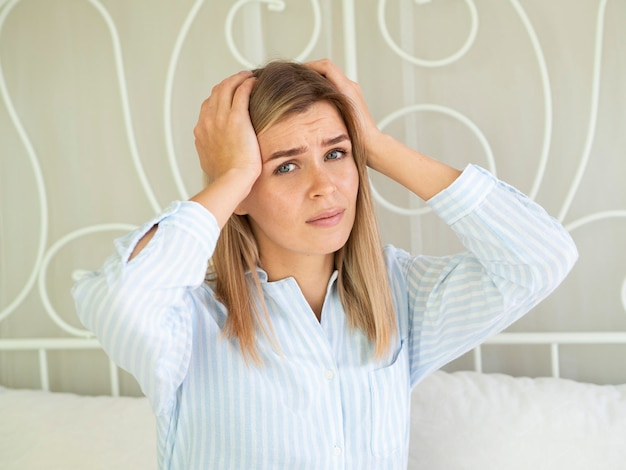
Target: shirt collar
[263,277]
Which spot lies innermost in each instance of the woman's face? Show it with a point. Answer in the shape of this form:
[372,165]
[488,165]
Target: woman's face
[303,203]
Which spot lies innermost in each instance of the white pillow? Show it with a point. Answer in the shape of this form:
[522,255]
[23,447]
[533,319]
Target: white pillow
[467,420]
[462,420]
[63,431]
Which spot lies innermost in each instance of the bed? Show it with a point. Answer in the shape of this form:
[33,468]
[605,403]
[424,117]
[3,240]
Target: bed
[460,420]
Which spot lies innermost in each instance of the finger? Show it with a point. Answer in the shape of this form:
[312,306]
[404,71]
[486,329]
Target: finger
[328,69]
[321,66]
[225,90]
[217,107]
[241,96]
[333,74]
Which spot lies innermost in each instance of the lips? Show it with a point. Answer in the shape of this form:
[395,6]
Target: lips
[327,218]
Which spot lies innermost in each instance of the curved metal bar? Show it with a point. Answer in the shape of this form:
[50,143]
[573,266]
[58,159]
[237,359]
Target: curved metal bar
[273,5]
[591,218]
[128,124]
[167,102]
[41,187]
[616,214]
[447,112]
[349,40]
[593,112]
[56,318]
[547,98]
[430,63]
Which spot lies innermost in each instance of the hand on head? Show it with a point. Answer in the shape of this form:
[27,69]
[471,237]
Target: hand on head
[225,138]
[353,91]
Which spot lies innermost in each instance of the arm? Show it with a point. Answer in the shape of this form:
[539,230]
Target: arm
[141,303]
[516,253]
[228,150]
[141,310]
[420,174]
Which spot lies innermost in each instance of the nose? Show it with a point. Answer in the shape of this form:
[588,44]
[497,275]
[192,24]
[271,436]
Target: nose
[321,182]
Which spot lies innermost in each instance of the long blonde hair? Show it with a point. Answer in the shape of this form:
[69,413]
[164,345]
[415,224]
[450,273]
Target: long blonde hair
[283,89]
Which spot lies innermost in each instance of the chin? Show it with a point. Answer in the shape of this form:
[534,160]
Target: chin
[334,246]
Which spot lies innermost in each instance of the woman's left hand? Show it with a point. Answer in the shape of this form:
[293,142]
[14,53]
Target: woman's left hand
[373,138]
[416,172]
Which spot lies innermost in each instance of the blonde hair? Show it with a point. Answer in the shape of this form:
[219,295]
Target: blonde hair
[281,90]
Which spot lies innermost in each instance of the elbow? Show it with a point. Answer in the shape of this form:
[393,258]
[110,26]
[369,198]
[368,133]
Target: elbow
[572,251]
[554,265]
[564,256]
[82,292]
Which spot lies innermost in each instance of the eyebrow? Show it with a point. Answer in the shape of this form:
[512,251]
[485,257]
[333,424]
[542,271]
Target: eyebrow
[300,150]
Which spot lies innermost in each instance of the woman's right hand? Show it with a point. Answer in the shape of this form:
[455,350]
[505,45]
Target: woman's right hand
[225,138]
[227,146]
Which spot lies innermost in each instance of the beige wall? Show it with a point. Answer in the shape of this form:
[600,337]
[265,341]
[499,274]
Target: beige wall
[70,131]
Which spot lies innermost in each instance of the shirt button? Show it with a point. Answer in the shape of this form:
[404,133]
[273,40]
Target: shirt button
[329,374]
[337,451]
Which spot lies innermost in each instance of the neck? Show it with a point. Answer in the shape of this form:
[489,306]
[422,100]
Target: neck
[310,272]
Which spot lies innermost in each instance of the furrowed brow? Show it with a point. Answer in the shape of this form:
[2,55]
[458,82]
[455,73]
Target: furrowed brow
[300,150]
[287,153]
[335,140]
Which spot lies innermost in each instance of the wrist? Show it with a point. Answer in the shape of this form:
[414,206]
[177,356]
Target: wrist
[223,194]
[380,148]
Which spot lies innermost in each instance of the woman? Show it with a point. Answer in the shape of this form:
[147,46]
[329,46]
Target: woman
[300,348]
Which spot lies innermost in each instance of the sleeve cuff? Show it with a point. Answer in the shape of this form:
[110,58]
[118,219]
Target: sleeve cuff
[189,216]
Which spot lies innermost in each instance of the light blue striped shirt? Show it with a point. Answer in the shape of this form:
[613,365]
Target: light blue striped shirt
[322,403]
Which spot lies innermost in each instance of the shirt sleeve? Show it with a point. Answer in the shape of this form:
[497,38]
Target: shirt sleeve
[140,309]
[516,255]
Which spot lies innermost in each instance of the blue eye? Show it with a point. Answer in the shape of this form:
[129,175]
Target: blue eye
[335,154]
[284,168]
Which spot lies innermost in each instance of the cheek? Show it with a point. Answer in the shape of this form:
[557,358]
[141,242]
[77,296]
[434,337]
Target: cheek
[350,182]
[259,200]
[268,208]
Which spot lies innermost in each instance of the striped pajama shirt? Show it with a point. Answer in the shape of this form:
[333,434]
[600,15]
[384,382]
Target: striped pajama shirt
[320,401]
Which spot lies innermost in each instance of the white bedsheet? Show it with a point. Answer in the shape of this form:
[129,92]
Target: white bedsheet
[460,421]
[63,431]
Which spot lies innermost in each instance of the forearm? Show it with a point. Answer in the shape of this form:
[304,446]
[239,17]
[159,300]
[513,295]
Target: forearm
[223,195]
[422,175]
[524,250]
[516,255]
[220,198]
[228,150]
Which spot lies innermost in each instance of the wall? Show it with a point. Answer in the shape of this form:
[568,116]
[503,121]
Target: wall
[99,99]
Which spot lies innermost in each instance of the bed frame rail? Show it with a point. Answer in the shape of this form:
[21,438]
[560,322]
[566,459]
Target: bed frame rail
[43,345]
[554,340]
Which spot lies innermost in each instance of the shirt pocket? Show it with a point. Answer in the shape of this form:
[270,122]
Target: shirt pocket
[390,393]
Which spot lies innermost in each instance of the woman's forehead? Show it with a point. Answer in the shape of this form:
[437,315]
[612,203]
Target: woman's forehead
[319,119]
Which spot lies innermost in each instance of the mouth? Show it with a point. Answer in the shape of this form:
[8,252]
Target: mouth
[328,218]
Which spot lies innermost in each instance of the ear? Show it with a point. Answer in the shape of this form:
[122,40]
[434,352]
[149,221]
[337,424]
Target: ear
[241,209]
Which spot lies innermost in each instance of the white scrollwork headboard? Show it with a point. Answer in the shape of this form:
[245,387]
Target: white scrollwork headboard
[99,100]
